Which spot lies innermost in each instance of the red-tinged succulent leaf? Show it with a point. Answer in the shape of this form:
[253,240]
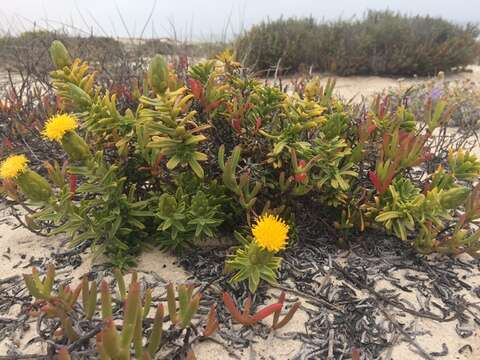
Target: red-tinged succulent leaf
[426,187]
[258,123]
[49,279]
[246,310]
[355,354]
[371,128]
[427,155]
[232,308]
[266,311]
[212,321]
[197,88]
[301,176]
[72,179]
[191,310]
[68,329]
[74,296]
[172,306]
[134,277]
[63,354]
[388,180]
[191,356]
[374,179]
[106,301]
[276,316]
[212,106]
[405,138]
[100,347]
[383,108]
[236,124]
[156,335]
[31,286]
[132,304]
[8,143]
[386,139]
[111,341]
[138,334]
[287,317]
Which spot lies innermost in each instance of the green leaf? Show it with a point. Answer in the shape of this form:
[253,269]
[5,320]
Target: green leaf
[196,167]
[173,162]
[388,215]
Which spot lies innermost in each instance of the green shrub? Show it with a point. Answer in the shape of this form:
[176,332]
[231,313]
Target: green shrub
[227,153]
[382,42]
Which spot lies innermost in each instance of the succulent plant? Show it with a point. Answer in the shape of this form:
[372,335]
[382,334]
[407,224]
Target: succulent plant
[40,289]
[187,304]
[245,318]
[89,297]
[241,187]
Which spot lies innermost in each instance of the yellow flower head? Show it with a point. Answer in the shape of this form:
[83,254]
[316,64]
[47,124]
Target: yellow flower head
[270,233]
[13,166]
[58,125]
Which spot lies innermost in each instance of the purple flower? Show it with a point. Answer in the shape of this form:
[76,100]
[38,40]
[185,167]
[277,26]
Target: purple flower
[436,93]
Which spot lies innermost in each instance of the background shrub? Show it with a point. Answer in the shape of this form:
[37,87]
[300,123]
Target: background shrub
[381,43]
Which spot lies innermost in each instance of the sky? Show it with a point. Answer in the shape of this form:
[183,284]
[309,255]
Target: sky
[202,19]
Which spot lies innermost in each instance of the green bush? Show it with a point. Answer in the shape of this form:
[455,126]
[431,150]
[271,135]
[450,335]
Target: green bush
[381,43]
[223,154]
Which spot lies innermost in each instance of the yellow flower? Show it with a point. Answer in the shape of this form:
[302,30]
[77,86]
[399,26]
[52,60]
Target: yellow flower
[270,233]
[57,126]
[13,166]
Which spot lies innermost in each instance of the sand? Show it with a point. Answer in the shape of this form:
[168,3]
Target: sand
[19,245]
[358,86]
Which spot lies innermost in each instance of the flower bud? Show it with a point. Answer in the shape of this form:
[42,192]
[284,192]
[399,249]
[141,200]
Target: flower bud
[180,131]
[34,186]
[167,205]
[59,55]
[76,148]
[158,74]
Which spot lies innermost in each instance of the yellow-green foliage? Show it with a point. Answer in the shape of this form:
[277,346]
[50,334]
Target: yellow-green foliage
[192,160]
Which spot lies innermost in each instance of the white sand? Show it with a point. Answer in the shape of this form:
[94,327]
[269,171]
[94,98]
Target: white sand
[358,86]
[21,242]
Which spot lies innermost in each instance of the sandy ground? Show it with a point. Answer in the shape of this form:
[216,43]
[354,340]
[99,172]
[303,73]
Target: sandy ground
[354,87]
[358,86]
[20,245]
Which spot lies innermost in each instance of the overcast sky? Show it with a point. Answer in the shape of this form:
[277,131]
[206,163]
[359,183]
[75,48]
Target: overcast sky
[202,19]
